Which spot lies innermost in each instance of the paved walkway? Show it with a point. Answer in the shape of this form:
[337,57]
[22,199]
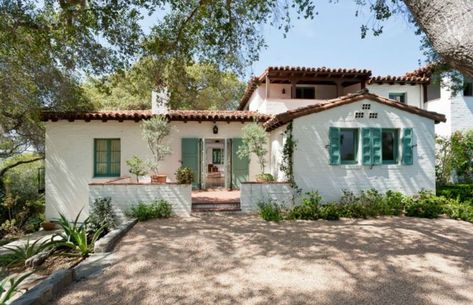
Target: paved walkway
[221,259]
[43,235]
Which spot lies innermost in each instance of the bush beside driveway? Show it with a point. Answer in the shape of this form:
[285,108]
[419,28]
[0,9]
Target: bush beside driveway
[240,259]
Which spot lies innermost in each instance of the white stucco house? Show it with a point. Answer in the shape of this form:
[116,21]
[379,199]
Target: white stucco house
[353,132]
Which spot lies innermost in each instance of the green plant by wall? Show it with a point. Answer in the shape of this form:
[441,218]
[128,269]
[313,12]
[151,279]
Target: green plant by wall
[184,175]
[102,215]
[265,177]
[454,154]
[137,167]
[270,211]
[254,141]
[155,130]
[308,210]
[425,205]
[287,164]
[145,211]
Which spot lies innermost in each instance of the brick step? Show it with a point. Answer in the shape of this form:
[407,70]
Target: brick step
[215,210]
[217,203]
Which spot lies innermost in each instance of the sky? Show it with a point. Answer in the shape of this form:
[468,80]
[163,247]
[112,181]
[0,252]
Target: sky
[333,39]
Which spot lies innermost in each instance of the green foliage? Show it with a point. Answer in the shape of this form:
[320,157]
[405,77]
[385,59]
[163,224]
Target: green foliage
[184,175]
[102,216]
[394,203]
[19,254]
[270,211]
[9,286]
[287,164]
[463,192]
[265,177]
[425,205]
[157,209]
[455,154]
[308,210]
[455,209]
[75,236]
[255,141]
[330,211]
[137,167]
[155,130]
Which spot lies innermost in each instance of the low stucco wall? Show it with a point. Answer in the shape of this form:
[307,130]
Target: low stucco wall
[253,192]
[125,195]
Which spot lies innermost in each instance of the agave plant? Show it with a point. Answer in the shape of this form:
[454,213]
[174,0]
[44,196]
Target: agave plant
[19,254]
[75,236]
[9,286]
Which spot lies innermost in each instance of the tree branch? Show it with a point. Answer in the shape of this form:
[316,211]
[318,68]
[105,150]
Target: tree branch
[4,170]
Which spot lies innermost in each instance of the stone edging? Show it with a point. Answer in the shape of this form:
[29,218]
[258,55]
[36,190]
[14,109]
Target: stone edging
[54,284]
[108,242]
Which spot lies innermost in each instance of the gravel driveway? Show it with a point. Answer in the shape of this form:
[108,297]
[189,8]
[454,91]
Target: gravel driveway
[236,259]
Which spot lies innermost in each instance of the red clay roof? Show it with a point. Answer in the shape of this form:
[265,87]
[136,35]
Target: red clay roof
[173,115]
[285,117]
[403,80]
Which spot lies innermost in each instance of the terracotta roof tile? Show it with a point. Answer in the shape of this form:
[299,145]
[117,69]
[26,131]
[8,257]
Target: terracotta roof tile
[410,80]
[173,115]
[285,117]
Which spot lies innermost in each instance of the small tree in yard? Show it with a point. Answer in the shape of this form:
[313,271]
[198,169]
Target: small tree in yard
[255,141]
[137,167]
[155,130]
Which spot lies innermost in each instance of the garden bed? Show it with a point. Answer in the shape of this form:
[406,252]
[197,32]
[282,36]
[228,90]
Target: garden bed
[252,193]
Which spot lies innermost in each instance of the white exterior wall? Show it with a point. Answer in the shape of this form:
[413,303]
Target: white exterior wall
[414,93]
[311,158]
[277,140]
[69,156]
[462,113]
[125,195]
[253,193]
[443,106]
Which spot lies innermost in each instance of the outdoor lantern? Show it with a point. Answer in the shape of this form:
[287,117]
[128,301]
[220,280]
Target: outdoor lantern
[215,129]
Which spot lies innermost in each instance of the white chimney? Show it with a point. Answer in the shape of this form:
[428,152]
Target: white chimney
[160,101]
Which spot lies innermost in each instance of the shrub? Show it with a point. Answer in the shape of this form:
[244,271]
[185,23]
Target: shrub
[270,211]
[464,192]
[157,209]
[330,211]
[102,215]
[457,210]
[75,236]
[264,177]
[184,175]
[367,204]
[308,210]
[137,167]
[393,203]
[425,205]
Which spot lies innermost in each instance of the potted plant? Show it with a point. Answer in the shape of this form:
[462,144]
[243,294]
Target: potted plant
[137,167]
[48,226]
[155,130]
[255,141]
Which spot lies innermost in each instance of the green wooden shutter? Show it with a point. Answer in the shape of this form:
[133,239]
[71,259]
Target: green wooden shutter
[376,146]
[334,146]
[366,146]
[190,157]
[240,166]
[106,157]
[407,150]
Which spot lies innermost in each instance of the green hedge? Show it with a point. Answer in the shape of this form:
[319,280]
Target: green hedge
[463,192]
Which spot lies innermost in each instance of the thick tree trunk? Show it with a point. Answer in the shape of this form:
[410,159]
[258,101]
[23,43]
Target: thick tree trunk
[449,26]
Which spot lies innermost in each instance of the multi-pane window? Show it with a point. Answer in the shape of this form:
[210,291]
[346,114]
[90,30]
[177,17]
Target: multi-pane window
[217,156]
[400,97]
[305,92]
[107,157]
[389,147]
[378,146]
[348,145]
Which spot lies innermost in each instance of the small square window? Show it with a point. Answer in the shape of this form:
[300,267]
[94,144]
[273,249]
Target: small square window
[359,115]
[106,157]
[348,145]
[217,156]
[373,115]
[366,106]
[399,97]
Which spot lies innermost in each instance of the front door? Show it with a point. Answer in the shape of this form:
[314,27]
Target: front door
[240,166]
[190,157]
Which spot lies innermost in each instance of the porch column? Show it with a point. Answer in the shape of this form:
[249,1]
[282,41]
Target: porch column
[293,88]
